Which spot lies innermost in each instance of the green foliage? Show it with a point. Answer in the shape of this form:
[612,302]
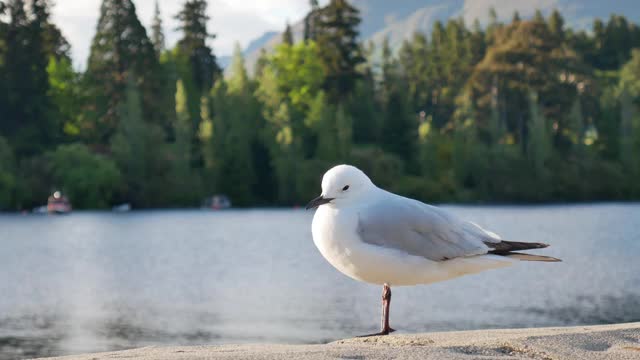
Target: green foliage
[7,174]
[611,43]
[229,148]
[365,111]
[383,168]
[630,76]
[287,36]
[193,24]
[296,72]
[26,121]
[88,179]
[336,32]
[184,184]
[629,90]
[526,111]
[527,57]
[576,125]
[539,149]
[157,33]
[119,48]
[138,148]
[311,21]
[65,92]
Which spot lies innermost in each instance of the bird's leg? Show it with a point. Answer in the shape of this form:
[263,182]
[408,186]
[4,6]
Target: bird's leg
[386,303]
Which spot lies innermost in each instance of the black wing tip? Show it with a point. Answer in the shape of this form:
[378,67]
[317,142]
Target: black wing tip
[505,246]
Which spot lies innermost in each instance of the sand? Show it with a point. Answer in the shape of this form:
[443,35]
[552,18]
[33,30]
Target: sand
[619,341]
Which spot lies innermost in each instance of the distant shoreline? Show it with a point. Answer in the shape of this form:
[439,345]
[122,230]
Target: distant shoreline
[617,341]
[299,207]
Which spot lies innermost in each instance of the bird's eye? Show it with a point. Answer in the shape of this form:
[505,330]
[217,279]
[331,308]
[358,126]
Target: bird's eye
[345,188]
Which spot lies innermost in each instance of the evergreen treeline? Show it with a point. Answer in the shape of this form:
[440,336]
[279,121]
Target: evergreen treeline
[524,111]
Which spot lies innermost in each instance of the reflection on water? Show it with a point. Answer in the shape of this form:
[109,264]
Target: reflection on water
[603,309]
[101,281]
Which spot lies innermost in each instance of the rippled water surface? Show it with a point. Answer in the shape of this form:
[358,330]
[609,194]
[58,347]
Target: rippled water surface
[101,281]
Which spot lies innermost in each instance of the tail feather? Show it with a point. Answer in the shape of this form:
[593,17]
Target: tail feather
[509,248]
[530,257]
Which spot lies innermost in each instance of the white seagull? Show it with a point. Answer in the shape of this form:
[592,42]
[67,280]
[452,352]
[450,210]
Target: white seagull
[378,237]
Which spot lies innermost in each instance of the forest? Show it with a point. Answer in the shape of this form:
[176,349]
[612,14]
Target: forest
[525,111]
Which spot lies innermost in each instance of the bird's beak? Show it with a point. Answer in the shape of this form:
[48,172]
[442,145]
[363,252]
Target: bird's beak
[320,200]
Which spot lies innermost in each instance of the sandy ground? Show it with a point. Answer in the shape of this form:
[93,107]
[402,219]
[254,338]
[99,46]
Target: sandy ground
[620,341]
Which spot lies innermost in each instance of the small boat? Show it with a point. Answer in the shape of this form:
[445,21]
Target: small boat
[40,210]
[122,208]
[216,202]
[58,204]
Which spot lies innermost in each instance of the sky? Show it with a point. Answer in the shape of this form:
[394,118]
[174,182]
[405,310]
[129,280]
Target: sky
[231,20]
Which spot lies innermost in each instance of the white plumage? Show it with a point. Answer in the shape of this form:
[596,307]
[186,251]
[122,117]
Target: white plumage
[375,239]
[378,237]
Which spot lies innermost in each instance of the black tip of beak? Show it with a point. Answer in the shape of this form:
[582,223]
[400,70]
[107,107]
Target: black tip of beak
[320,200]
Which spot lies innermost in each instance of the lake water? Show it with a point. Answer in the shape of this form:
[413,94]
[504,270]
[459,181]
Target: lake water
[95,281]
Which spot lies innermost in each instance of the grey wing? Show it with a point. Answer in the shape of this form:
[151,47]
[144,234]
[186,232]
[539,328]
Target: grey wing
[422,230]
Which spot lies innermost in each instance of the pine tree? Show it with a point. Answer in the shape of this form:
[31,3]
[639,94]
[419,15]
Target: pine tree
[239,80]
[236,124]
[193,44]
[287,35]
[260,64]
[493,26]
[469,159]
[182,128]
[528,57]
[397,124]
[576,125]
[496,126]
[311,21]
[556,24]
[416,63]
[4,101]
[337,38]
[365,112]
[28,123]
[184,182]
[39,56]
[478,42]
[120,46]
[50,37]
[157,33]
[8,179]
[67,97]
[516,16]
[628,113]
[538,17]
[539,146]
[137,147]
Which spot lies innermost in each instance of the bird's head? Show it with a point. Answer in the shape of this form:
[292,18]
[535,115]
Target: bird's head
[342,185]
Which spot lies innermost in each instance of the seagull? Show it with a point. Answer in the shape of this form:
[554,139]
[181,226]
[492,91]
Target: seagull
[378,237]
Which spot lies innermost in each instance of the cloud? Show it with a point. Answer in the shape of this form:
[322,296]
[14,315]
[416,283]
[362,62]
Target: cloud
[231,20]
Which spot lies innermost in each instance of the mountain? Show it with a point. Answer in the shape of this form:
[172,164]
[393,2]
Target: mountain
[253,47]
[258,43]
[398,20]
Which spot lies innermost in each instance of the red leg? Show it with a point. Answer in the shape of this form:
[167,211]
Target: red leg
[386,303]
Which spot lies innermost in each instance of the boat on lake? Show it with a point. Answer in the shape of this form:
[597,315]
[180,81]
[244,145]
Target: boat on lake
[42,210]
[58,204]
[122,208]
[216,202]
